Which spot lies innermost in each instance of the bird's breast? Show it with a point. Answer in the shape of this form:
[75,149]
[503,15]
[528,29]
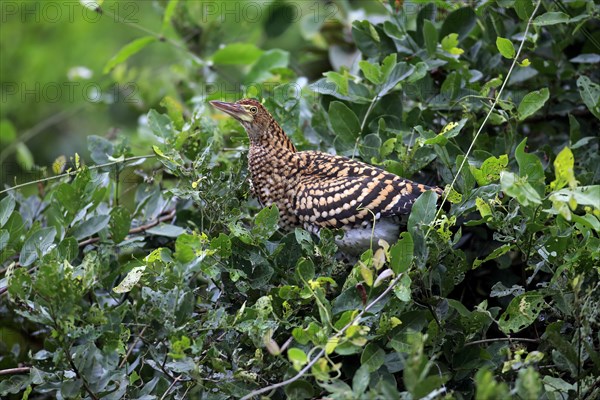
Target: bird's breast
[274,177]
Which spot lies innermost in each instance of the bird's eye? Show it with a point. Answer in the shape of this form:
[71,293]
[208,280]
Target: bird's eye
[253,110]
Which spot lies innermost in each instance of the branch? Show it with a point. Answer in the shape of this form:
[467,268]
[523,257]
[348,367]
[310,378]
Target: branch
[83,380]
[135,342]
[14,371]
[169,215]
[70,173]
[508,339]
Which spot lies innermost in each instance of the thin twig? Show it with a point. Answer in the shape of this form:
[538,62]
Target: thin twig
[86,386]
[159,36]
[364,122]
[132,346]
[15,371]
[507,339]
[70,173]
[177,379]
[395,281]
[138,229]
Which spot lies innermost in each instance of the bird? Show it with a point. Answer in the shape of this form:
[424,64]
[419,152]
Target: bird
[315,190]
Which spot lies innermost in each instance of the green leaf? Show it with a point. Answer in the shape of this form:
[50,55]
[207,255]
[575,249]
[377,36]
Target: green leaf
[590,93]
[130,280]
[8,133]
[522,311]
[372,357]
[160,124]
[551,18]
[297,357]
[7,206]
[532,102]
[449,44]
[15,226]
[483,207]
[460,22]
[524,9]
[582,195]
[401,253]
[488,387]
[305,269]
[174,111]
[222,245]
[237,53]
[402,289]
[388,65]
[500,251]
[430,36]
[169,11]
[360,381]
[564,170]
[299,389]
[265,223]
[505,47]
[120,222]
[269,60]
[423,211]
[586,58]
[345,125]
[490,170]
[4,237]
[340,81]
[68,249]
[420,72]
[127,51]
[530,167]
[167,230]
[370,145]
[451,86]
[371,71]
[399,73]
[38,244]
[519,188]
[90,226]
[24,157]
[529,384]
[100,149]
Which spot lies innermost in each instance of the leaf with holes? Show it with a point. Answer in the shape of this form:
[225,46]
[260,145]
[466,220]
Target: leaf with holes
[130,280]
[521,312]
[590,93]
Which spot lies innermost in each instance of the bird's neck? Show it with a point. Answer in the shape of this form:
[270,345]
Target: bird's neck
[274,138]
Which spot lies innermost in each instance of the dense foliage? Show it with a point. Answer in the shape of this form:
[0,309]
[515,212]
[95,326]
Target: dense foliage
[156,276]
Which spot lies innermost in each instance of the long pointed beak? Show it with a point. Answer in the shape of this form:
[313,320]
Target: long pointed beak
[235,110]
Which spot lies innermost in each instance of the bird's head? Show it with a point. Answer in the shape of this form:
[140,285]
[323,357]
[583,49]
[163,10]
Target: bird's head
[251,114]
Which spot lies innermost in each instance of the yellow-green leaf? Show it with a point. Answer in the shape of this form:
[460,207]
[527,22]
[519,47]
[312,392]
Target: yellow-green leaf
[127,51]
[505,47]
[564,170]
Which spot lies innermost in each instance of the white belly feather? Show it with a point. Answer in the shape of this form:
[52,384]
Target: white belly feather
[358,239]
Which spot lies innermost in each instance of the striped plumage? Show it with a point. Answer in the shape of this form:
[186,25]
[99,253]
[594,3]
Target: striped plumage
[314,189]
